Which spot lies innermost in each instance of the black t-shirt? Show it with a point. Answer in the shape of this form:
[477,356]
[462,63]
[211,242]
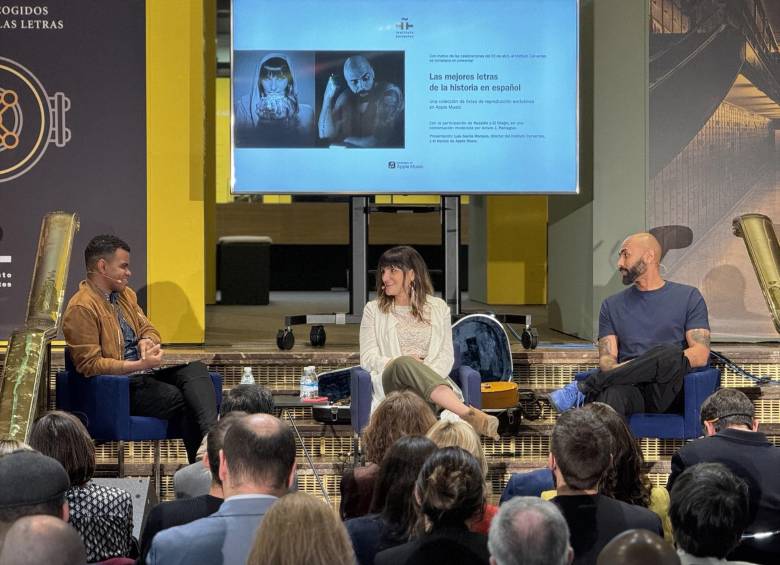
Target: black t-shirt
[595,519]
[643,319]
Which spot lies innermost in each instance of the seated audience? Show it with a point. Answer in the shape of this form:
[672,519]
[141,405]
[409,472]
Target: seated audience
[457,433]
[709,513]
[256,467]
[400,414]
[393,513]
[625,480]
[32,483]
[728,419]
[529,531]
[638,547]
[449,492]
[195,479]
[102,515]
[177,512]
[10,445]
[581,448]
[301,529]
[41,539]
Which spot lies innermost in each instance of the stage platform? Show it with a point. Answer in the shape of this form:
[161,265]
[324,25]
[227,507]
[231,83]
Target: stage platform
[548,367]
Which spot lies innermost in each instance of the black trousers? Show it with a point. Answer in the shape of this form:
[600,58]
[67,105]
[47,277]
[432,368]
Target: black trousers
[652,382]
[181,395]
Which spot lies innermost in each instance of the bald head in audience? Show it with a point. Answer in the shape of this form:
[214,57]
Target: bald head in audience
[34,540]
[638,547]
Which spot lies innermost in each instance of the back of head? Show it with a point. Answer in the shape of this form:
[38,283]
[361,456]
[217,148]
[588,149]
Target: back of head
[727,407]
[260,453]
[399,414]
[32,483]
[624,480]
[285,534]
[529,531]
[216,441]
[252,399]
[394,488]
[450,488]
[638,547]
[34,540]
[62,436]
[102,246]
[709,510]
[581,445]
[457,433]
[10,445]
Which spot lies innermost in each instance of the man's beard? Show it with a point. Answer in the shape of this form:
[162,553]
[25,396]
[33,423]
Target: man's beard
[632,273]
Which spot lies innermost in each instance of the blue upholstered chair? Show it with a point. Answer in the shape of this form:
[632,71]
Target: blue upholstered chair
[699,384]
[104,403]
[362,390]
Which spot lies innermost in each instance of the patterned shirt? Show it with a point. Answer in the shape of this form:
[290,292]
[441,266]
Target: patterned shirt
[128,334]
[414,336]
[103,516]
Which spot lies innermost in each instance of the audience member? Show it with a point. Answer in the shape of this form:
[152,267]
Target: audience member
[41,539]
[734,440]
[710,510]
[529,531]
[256,466]
[301,529]
[450,491]
[393,513]
[102,515]
[177,512]
[399,414]
[581,447]
[10,445]
[457,433]
[195,479]
[32,483]
[638,547]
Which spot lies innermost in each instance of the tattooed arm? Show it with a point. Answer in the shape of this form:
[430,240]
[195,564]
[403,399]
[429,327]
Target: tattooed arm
[698,350]
[608,352]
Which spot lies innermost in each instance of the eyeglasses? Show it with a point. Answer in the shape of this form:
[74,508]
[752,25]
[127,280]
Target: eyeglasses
[712,421]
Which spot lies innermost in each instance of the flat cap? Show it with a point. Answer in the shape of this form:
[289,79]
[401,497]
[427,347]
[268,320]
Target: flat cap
[29,477]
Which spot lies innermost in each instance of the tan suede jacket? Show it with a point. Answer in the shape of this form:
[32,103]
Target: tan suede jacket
[92,329]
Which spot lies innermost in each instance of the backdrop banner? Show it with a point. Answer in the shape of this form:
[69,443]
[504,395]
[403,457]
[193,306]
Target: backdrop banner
[72,133]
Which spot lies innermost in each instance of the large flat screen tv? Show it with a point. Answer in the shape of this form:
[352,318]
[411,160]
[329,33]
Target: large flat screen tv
[405,96]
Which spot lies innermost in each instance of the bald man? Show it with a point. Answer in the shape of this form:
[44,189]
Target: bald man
[33,540]
[638,547]
[650,336]
[365,114]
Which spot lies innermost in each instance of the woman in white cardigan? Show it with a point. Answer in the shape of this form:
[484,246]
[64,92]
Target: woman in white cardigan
[406,339]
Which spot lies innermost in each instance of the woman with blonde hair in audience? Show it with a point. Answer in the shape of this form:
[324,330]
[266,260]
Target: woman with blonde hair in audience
[102,515]
[448,433]
[449,492]
[10,445]
[300,529]
[400,414]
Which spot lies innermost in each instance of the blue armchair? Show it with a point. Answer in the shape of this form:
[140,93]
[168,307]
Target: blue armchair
[699,384]
[104,403]
[361,391]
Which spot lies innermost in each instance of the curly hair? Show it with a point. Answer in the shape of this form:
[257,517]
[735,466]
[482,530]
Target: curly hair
[624,480]
[450,489]
[400,414]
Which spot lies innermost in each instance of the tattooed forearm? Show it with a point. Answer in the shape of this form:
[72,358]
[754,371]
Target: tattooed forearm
[702,337]
[607,356]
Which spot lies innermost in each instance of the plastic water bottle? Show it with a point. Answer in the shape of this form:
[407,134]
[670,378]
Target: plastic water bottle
[247,378]
[308,385]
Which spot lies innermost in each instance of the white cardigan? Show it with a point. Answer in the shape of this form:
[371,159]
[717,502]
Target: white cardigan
[379,343]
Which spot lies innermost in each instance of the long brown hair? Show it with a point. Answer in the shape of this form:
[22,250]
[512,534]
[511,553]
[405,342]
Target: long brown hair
[624,479]
[285,536]
[407,259]
[401,413]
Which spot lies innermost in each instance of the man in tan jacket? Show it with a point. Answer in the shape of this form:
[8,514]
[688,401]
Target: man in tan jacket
[108,334]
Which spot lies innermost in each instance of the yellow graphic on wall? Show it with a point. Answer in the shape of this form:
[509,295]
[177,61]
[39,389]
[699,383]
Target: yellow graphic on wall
[30,119]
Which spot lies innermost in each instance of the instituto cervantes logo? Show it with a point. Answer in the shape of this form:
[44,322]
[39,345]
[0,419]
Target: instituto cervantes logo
[30,119]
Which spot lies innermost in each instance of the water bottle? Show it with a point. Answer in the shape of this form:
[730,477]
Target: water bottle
[247,378]
[308,385]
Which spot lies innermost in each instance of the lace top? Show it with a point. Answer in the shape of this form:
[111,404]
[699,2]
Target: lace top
[414,336]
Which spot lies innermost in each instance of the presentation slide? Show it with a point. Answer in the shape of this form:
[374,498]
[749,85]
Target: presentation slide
[389,96]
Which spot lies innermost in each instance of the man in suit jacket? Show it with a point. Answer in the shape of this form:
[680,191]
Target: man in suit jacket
[580,455]
[256,466]
[734,440]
